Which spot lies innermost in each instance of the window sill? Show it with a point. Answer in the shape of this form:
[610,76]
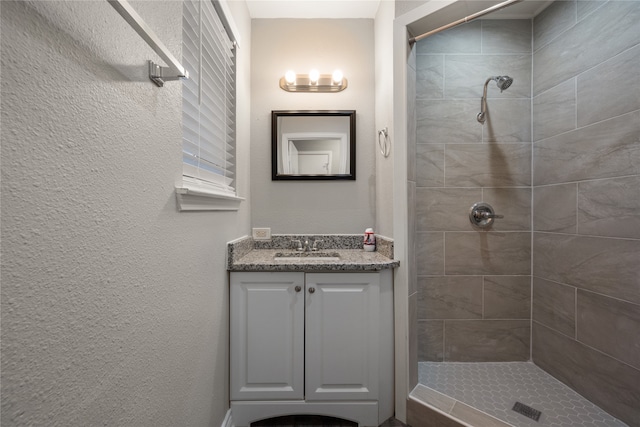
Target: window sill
[199,199]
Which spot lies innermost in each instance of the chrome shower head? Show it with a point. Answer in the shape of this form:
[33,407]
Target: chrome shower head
[503,82]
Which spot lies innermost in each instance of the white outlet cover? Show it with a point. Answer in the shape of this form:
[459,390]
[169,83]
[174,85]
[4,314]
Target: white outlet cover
[261,233]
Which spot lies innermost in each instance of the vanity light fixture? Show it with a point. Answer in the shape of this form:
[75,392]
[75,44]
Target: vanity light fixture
[313,82]
[290,77]
[314,75]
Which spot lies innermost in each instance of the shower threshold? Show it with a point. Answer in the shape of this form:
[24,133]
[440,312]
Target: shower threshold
[484,394]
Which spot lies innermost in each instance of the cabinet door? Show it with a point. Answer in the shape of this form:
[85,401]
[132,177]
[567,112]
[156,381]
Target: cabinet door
[267,336]
[342,316]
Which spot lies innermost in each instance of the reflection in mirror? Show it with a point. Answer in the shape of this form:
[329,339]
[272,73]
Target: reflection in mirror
[314,153]
[313,145]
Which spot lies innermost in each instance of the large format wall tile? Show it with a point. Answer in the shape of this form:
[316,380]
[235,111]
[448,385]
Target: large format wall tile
[430,340]
[610,325]
[608,383]
[448,134]
[447,121]
[430,77]
[606,149]
[506,36]
[430,253]
[582,47]
[610,207]
[461,39]
[450,297]
[553,21]
[444,209]
[465,76]
[430,165]
[507,297]
[610,89]
[603,265]
[586,7]
[508,120]
[554,208]
[554,111]
[490,253]
[554,305]
[488,165]
[486,340]
[514,204]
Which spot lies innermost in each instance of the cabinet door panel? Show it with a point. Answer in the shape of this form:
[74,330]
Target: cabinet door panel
[267,336]
[342,336]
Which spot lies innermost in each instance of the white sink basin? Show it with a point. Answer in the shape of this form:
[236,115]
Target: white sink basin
[307,256]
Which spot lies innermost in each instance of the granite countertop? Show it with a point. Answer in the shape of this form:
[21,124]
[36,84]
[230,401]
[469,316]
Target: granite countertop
[247,254]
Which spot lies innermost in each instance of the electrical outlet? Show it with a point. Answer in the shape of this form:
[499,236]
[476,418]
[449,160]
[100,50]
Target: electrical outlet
[262,233]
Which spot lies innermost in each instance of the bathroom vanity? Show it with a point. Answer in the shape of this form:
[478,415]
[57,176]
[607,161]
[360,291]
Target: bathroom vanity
[312,333]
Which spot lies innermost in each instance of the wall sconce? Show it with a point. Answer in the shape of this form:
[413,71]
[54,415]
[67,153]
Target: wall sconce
[313,82]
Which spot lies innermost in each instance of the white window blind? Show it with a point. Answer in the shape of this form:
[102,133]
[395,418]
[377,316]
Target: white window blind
[208,98]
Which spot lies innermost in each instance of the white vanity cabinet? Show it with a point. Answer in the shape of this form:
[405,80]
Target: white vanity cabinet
[314,343]
[267,336]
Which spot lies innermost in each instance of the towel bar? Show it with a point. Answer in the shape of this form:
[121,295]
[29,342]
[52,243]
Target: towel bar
[157,74]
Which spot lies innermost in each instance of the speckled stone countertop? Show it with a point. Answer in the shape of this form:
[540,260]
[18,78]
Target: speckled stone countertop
[246,254]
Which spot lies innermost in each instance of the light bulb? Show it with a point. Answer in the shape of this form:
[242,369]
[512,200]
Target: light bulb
[314,75]
[290,77]
[337,77]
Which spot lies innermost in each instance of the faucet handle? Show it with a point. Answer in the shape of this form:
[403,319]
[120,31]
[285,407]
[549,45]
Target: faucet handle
[299,244]
[315,244]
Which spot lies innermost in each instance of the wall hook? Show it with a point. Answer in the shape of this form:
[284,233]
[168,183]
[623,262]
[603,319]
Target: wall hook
[384,142]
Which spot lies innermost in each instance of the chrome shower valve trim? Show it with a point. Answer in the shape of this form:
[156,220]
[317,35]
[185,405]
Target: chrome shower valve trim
[482,215]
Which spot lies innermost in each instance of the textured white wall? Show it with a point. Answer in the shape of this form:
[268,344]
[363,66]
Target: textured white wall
[302,44]
[114,305]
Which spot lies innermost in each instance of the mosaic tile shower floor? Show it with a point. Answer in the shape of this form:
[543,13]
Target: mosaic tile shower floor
[494,388]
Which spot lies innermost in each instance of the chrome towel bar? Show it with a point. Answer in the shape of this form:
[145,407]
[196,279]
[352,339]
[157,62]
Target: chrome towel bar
[157,74]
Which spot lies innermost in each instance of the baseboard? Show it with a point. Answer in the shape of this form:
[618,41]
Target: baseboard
[227,422]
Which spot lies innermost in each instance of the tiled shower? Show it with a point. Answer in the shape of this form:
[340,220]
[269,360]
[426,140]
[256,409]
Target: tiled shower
[557,281]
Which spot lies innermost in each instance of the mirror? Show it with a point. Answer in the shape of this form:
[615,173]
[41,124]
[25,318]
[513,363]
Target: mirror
[313,145]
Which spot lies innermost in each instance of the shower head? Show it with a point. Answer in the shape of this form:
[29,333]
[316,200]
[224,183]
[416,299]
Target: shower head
[503,83]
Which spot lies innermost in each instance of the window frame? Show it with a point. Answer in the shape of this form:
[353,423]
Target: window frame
[196,193]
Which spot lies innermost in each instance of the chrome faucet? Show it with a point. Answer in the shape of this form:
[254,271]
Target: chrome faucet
[306,245]
[302,246]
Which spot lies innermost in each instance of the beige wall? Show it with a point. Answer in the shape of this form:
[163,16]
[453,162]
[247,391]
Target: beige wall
[586,203]
[404,6]
[384,116]
[114,305]
[301,44]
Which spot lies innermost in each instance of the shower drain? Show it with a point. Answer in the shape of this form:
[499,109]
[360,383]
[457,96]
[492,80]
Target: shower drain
[527,411]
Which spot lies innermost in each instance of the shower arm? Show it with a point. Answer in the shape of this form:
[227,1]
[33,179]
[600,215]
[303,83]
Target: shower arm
[483,101]
[483,104]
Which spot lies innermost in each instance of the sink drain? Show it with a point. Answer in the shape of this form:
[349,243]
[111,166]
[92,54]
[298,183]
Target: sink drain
[527,411]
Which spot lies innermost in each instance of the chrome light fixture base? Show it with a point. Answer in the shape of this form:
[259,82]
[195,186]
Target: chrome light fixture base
[303,83]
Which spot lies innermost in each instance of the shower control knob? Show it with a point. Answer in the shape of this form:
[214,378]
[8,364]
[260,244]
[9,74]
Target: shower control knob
[482,215]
